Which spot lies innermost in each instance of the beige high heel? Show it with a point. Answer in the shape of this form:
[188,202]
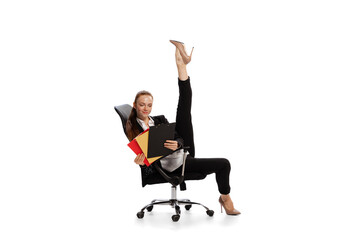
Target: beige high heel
[180,46]
[229,211]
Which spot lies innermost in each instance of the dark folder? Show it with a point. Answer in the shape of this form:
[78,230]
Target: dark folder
[157,137]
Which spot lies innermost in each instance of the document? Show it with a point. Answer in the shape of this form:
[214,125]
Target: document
[143,141]
[134,145]
[151,142]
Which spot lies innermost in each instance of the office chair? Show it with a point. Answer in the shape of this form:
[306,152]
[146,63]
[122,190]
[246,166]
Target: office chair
[154,174]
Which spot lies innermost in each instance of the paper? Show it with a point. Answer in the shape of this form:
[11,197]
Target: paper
[153,140]
[143,140]
[134,145]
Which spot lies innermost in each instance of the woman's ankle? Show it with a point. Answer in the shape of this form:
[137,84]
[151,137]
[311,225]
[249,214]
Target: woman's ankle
[225,197]
[183,76]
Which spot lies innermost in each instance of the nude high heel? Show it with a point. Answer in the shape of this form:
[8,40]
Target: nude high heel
[229,211]
[180,46]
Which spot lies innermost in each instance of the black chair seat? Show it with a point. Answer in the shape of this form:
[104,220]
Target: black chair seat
[156,178]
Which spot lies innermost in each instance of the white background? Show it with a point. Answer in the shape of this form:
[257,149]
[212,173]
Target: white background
[276,91]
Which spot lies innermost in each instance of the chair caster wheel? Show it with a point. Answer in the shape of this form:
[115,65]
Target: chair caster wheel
[175,218]
[140,215]
[178,211]
[210,213]
[149,209]
[187,207]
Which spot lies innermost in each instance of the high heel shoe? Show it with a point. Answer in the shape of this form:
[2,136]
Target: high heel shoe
[229,211]
[180,46]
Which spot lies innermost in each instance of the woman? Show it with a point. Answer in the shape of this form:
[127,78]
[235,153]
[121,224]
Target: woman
[140,120]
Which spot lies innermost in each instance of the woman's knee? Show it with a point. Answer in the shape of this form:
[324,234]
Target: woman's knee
[225,163]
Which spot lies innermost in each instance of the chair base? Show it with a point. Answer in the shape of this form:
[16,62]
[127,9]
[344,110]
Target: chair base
[174,203]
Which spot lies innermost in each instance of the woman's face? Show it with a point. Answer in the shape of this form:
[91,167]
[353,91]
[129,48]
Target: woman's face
[143,106]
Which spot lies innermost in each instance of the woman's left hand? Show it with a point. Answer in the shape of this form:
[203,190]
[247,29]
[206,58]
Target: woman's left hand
[171,144]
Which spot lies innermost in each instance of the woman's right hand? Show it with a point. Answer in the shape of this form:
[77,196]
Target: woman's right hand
[140,159]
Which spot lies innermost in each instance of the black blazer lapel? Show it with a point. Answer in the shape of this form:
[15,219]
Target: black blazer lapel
[157,120]
[139,127]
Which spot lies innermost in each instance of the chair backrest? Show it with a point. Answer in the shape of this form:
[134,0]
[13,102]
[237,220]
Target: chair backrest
[124,112]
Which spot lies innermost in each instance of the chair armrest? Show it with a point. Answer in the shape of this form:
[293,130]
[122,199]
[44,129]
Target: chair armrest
[184,161]
[176,180]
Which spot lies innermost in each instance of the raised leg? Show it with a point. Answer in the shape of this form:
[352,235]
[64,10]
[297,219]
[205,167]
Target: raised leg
[184,125]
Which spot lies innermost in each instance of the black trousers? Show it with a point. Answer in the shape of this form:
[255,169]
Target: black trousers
[220,166]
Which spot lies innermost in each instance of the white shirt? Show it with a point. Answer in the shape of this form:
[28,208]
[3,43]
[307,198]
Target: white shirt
[143,124]
[171,162]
